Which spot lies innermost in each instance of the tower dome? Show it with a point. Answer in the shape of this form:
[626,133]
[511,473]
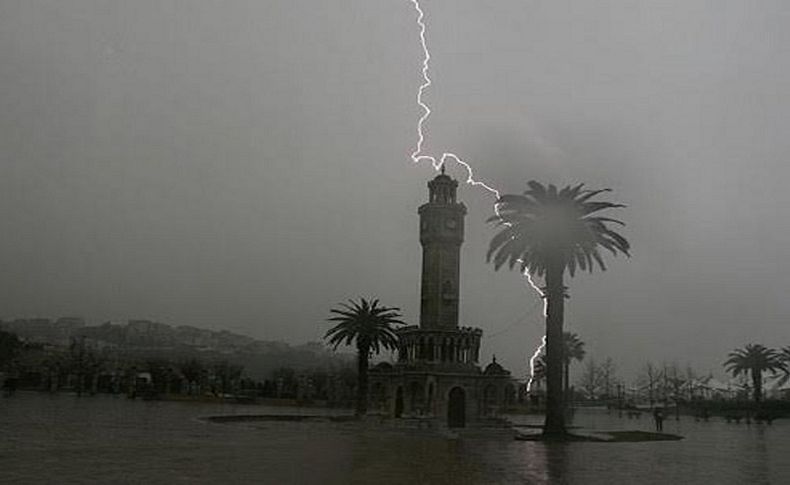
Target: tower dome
[494,369]
[442,189]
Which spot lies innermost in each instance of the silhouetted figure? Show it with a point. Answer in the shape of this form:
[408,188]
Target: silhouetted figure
[658,416]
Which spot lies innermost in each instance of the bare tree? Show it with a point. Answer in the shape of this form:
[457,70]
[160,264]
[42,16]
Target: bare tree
[691,383]
[607,372]
[83,363]
[192,370]
[650,380]
[676,382]
[590,380]
[226,377]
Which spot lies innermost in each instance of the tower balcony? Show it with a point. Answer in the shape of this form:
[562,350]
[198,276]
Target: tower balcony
[456,347]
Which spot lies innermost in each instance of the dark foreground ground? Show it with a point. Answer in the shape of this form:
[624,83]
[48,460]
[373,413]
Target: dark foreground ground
[64,439]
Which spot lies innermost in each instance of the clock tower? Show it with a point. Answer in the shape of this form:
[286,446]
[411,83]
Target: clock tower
[441,236]
[437,375]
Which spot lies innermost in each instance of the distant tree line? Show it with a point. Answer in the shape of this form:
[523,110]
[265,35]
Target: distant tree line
[672,385]
[82,367]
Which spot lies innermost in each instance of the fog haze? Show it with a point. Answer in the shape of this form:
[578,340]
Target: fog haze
[245,165]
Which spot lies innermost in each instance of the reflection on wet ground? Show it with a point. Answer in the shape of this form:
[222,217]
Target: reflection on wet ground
[65,439]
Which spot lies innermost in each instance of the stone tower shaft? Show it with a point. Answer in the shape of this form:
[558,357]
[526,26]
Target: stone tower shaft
[441,236]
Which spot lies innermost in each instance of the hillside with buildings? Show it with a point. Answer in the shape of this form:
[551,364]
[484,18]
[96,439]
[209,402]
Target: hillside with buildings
[149,340]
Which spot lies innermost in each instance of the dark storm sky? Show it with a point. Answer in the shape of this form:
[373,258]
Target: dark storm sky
[244,165]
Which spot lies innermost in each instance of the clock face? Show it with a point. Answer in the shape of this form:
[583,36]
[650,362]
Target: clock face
[450,223]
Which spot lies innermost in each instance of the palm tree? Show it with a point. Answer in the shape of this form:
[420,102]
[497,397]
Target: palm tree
[754,359]
[784,356]
[539,367]
[545,231]
[573,349]
[370,326]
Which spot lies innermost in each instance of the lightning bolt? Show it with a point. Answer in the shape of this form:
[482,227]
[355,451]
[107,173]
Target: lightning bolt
[418,156]
[532,360]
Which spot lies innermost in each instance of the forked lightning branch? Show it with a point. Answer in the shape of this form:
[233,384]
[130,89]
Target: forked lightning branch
[437,162]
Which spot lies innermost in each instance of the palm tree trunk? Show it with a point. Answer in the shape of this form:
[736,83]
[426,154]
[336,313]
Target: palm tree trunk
[555,295]
[362,380]
[757,381]
[566,381]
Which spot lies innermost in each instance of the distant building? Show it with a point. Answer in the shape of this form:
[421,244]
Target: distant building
[437,376]
[71,323]
[44,330]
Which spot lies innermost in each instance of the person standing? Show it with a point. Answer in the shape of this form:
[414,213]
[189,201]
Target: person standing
[658,416]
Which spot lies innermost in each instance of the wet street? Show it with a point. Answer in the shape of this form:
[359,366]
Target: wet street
[103,439]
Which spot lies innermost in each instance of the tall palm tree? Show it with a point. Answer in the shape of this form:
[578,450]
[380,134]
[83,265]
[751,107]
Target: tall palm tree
[544,232]
[370,327]
[573,349]
[754,359]
[784,356]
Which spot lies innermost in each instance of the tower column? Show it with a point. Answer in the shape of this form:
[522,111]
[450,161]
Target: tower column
[441,236]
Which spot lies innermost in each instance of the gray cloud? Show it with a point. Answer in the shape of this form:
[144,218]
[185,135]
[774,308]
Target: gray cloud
[245,165]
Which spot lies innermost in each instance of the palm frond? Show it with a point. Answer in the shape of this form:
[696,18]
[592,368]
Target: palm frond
[549,222]
[365,322]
